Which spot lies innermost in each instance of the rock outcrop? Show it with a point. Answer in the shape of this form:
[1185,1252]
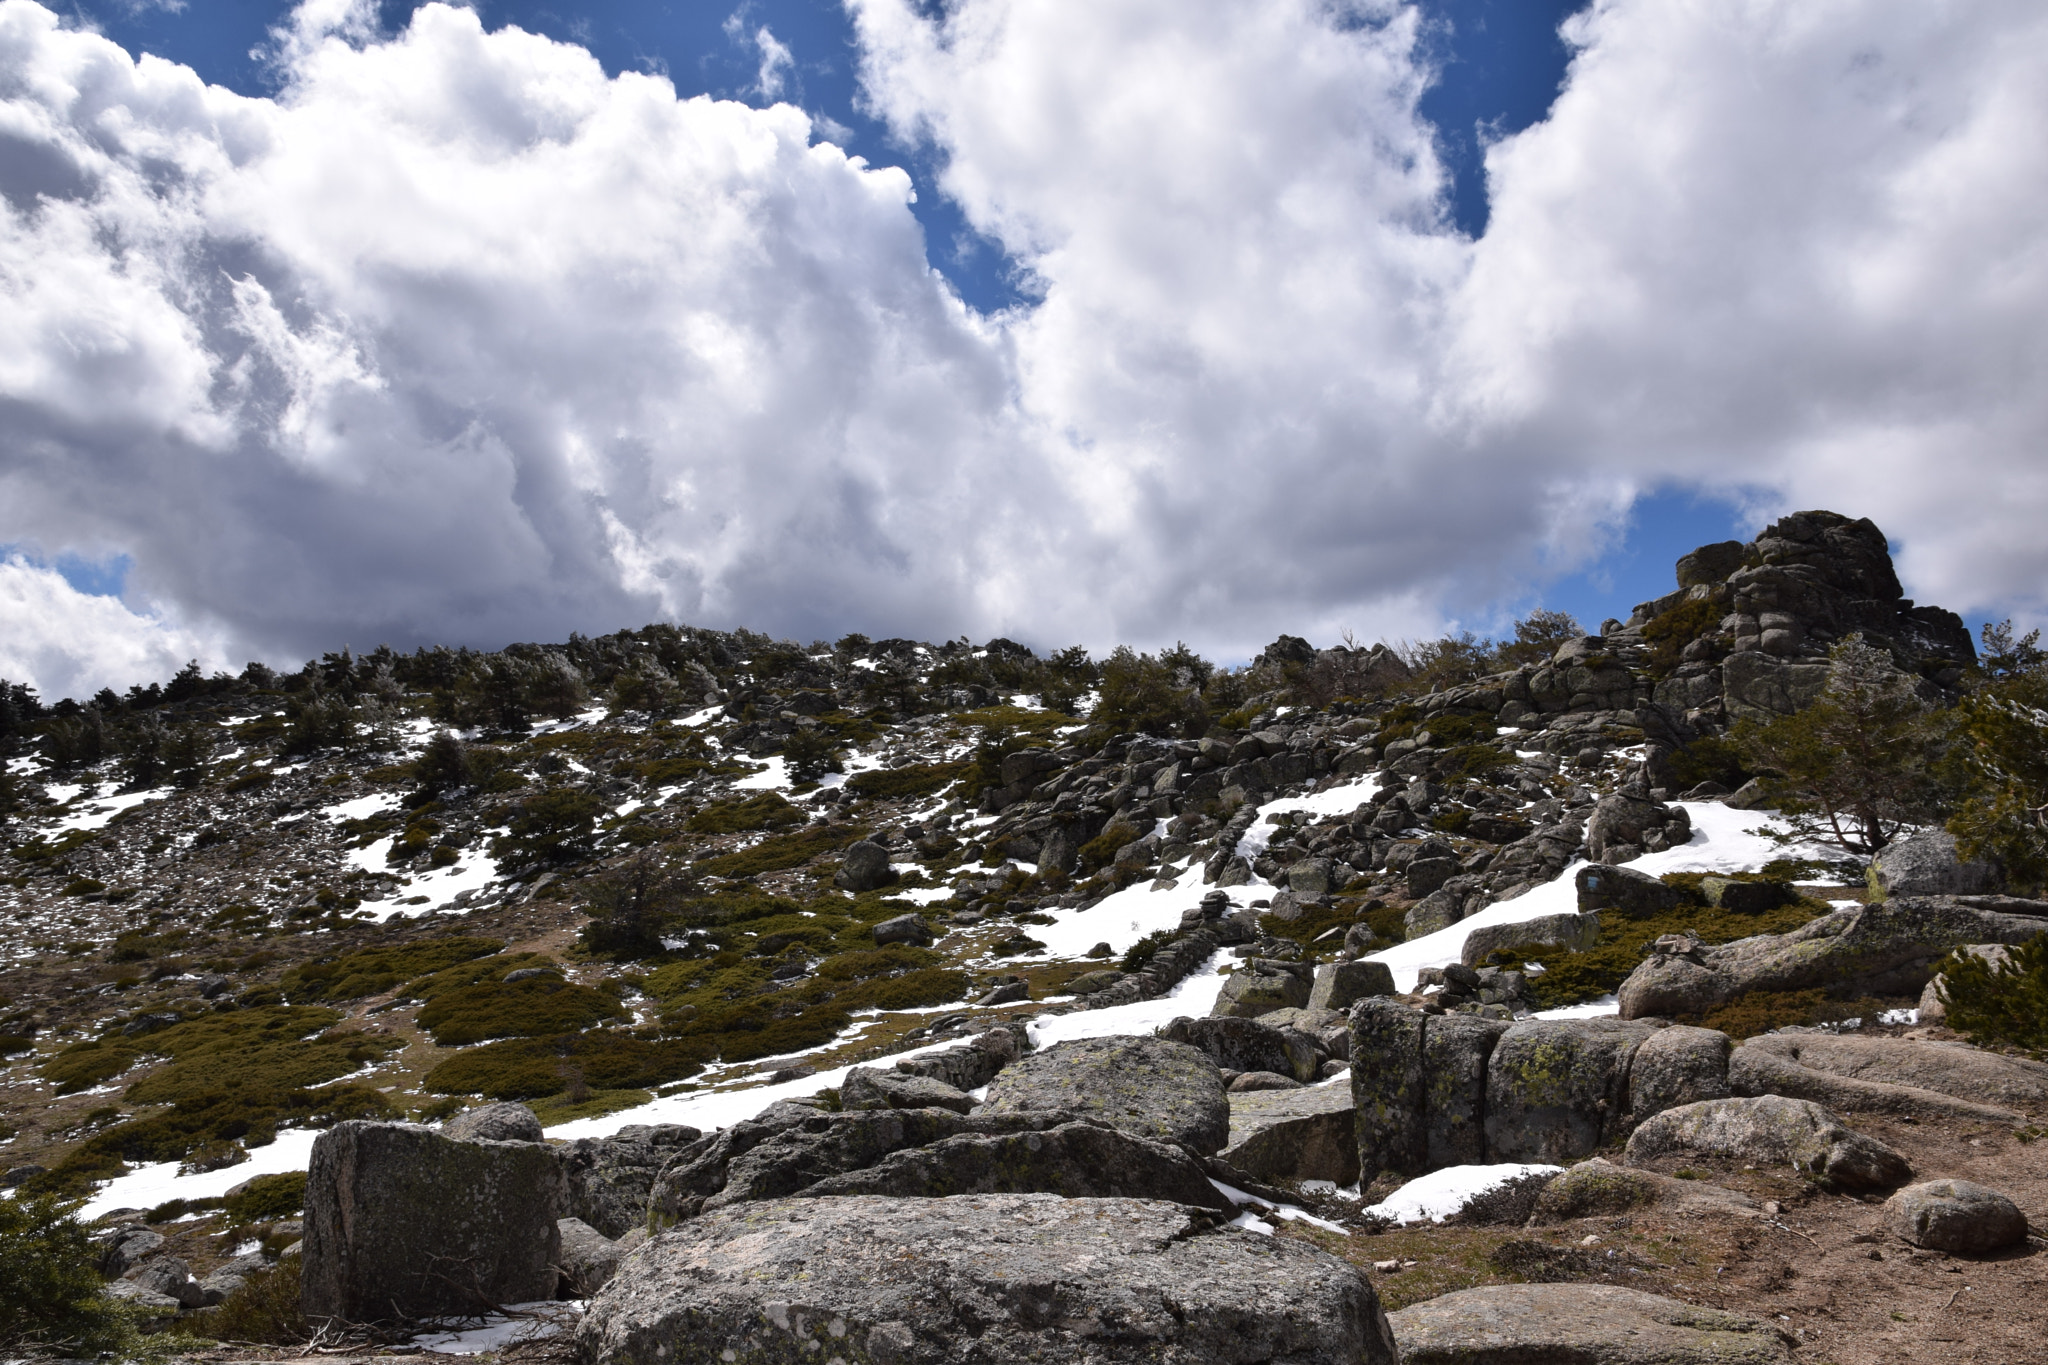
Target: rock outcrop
[1305,1134]
[1890,1076]
[978,1280]
[1586,1324]
[1771,1130]
[1148,1086]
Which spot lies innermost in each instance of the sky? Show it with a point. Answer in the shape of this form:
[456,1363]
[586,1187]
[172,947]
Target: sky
[1138,321]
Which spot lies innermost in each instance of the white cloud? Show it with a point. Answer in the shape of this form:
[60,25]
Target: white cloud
[71,644]
[458,339]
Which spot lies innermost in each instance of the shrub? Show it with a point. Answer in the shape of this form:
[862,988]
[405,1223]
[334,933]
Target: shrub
[529,1068]
[266,1199]
[1153,696]
[373,971]
[517,1009]
[1669,632]
[2004,1003]
[1145,949]
[918,779]
[781,851]
[766,811]
[265,1310]
[555,826]
[912,990]
[1101,851]
[1571,978]
[1708,759]
[50,1295]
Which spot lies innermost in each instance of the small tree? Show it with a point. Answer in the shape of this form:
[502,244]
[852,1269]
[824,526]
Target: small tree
[811,753]
[1537,637]
[443,765]
[1998,764]
[1150,696]
[50,1295]
[629,906]
[1857,765]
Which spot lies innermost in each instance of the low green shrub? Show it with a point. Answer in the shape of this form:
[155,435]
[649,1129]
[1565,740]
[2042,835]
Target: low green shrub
[1669,632]
[50,1296]
[766,811]
[912,990]
[2004,1003]
[372,971]
[266,1198]
[1761,1011]
[1101,851]
[265,1310]
[529,1068]
[531,1008]
[918,779]
[1571,978]
[780,852]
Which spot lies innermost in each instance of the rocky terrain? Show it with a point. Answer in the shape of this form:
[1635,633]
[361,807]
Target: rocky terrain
[878,1000]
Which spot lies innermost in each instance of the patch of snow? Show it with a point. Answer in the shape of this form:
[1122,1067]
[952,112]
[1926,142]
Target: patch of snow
[159,1182]
[701,718]
[1248,1202]
[1195,996]
[362,808]
[61,792]
[922,895]
[1592,1009]
[499,1331]
[774,777]
[440,886]
[1440,1194]
[1907,1016]
[97,811]
[1251,1222]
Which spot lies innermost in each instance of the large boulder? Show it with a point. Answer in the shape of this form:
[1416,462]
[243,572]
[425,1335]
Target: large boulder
[1678,1065]
[1080,1160]
[1928,864]
[495,1123]
[1956,1216]
[1387,1088]
[1456,1049]
[1261,985]
[1889,1076]
[867,1087]
[1574,932]
[1599,1189]
[864,868]
[1624,891]
[588,1257]
[1248,1045]
[405,1222]
[1557,1090]
[1887,949]
[610,1178]
[1770,1130]
[1582,1324]
[909,928]
[980,1280]
[1149,1086]
[1305,1134]
[1620,824]
[1338,984]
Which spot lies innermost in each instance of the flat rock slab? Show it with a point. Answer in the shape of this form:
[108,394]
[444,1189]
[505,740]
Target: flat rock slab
[1891,1075]
[1579,1324]
[1770,1130]
[981,1280]
[1148,1086]
[1306,1134]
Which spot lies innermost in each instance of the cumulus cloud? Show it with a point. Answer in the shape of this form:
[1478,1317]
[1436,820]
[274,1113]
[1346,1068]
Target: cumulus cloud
[70,643]
[457,339]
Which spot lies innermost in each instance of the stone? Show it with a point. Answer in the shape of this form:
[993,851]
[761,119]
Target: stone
[1678,1065]
[1259,987]
[1582,1324]
[1455,1051]
[137,1296]
[1437,911]
[1619,820]
[1387,1087]
[402,1221]
[1627,892]
[980,1280]
[1575,932]
[1927,864]
[1745,898]
[1313,879]
[1304,1134]
[1245,1082]
[125,1246]
[610,1178]
[1009,993]
[866,1087]
[1596,1188]
[588,1257]
[1770,1130]
[1755,686]
[1890,1076]
[973,1065]
[495,1123]
[1330,1028]
[904,929]
[1888,949]
[1148,1086]
[1077,1160]
[1428,874]
[231,1276]
[170,1277]
[865,867]
[1088,983]
[1557,1090]
[1338,984]
[1248,1045]
[1956,1216]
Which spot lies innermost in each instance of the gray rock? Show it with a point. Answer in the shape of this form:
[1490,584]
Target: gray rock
[1387,1088]
[1599,1189]
[1770,1130]
[495,1123]
[864,868]
[974,1064]
[403,1221]
[1888,949]
[1259,987]
[1927,864]
[1456,1049]
[904,929]
[610,1178]
[1338,984]
[1890,1076]
[1627,892]
[1756,686]
[1148,1086]
[588,1257]
[1745,898]
[1088,983]
[865,1087]
[1574,932]
[1330,1028]
[1439,910]
[981,1280]
[226,1279]
[1009,993]
[170,1277]
[1620,821]
[1557,1090]
[1428,874]
[1248,1045]
[1313,879]
[125,1246]
[138,1296]
[1678,1065]
[1579,1324]
[1955,1216]
[1079,1160]
[1247,1082]
[1305,1134]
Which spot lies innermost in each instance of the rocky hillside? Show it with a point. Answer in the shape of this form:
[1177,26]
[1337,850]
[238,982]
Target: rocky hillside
[1138,930]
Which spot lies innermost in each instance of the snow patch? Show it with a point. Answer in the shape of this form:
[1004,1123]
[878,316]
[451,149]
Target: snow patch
[1440,1194]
